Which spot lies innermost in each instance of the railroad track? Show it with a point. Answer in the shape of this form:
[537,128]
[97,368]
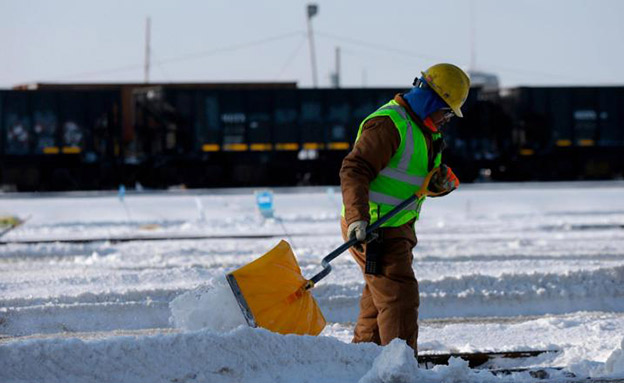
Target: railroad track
[119,239]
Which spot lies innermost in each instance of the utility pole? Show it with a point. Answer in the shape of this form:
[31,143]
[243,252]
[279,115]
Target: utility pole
[148,26]
[312,11]
[473,37]
[335,78]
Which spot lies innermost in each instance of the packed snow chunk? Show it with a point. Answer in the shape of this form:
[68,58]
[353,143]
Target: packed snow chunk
[583,365]
[457,371]
[395,364]
[615,364]
[211,306]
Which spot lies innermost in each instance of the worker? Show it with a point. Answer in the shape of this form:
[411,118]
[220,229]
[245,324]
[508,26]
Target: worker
[396,147]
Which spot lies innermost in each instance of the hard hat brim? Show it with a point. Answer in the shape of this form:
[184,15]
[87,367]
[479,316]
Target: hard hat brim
[457,111]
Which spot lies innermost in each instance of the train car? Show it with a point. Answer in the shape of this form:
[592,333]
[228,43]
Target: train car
[565,133]
[256,137]
[58,140]
[477,143]
[99,136]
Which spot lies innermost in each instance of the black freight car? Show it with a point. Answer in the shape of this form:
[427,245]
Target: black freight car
[564,133]
[285,137]
[263,137]
[68,137]
[58,140]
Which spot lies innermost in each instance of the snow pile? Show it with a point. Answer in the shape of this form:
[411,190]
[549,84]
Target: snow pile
[396,364]
[242,355]
[612,368]
[524,294]
[211,306]
[615,364]
[477,295]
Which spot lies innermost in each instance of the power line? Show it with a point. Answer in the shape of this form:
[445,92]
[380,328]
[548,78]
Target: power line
[411,54]
[291,57]
[373,55]
[371,49]
[212,52]
[186,57]
[162,69]
[377,46]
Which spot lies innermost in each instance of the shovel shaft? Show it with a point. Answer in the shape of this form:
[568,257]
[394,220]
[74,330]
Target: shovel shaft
[418,196]
[345,246]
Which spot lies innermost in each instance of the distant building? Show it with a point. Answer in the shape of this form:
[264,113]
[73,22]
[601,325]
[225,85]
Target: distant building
[486,81]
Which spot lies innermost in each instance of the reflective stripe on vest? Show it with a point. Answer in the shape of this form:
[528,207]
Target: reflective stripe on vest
[400,172]
[402,176]
[378,197]
[409,138]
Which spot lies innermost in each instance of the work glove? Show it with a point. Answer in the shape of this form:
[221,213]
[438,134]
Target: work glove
[357,230]
[444,181]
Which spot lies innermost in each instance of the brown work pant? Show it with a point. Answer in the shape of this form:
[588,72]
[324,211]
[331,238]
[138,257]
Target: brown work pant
[389,302]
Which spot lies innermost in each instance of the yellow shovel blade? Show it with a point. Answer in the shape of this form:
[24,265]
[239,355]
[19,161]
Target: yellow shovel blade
[272,293]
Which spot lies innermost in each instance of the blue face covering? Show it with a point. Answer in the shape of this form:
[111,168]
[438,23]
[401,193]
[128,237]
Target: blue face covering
[424,101]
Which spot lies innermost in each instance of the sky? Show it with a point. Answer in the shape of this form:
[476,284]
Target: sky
[382,44]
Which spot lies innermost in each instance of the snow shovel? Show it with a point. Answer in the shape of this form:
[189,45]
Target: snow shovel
[274,295]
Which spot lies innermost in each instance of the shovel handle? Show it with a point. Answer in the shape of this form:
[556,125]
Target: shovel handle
[420,194]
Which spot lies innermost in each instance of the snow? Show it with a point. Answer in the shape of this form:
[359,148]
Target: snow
[615,362]
[211,306]
[500,267]
[242,355]
[396,364]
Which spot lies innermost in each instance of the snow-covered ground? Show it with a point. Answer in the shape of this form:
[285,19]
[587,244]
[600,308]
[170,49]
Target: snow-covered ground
[500,267]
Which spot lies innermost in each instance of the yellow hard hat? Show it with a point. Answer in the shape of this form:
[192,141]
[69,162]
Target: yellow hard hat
[450,83]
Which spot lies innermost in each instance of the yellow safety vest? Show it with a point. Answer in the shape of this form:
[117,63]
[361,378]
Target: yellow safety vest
[406,170]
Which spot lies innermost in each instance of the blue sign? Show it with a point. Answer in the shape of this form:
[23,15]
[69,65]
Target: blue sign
[122,192]
[264,201]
